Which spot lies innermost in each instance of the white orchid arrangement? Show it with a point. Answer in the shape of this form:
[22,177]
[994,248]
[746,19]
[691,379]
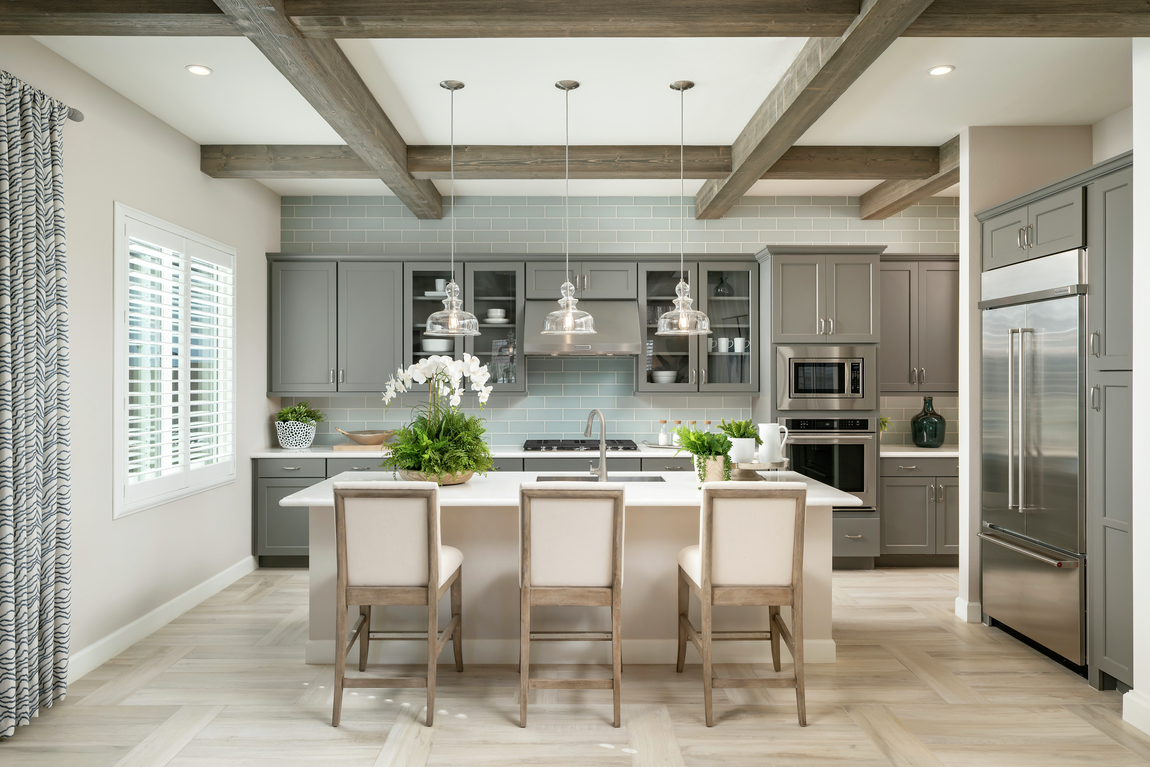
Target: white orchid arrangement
[446,378]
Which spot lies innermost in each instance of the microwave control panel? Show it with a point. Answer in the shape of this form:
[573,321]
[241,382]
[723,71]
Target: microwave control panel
[856,378]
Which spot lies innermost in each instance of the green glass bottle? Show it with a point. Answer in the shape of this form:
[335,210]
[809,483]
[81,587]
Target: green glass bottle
[928,428]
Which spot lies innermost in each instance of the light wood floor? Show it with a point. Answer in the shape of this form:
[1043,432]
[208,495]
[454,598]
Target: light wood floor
[225,684]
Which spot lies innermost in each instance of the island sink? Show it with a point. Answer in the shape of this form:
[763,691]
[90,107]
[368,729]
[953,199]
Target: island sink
[553,478]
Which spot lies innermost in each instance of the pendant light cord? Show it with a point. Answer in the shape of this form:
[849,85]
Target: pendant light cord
[682,190]
[567,182]
[453,186]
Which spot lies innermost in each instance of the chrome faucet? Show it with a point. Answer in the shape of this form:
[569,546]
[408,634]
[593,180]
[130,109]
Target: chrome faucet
[601,469]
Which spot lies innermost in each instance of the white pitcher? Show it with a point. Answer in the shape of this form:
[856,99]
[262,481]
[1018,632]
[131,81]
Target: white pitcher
[774,436]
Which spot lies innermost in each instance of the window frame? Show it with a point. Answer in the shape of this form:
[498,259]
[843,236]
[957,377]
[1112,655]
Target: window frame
[188,481]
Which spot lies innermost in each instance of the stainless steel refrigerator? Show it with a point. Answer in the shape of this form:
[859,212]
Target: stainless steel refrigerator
[1033,451]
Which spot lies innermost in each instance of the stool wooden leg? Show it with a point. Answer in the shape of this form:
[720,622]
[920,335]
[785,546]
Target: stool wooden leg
[617,649]
[432,657]
[365,636]
[707,670]
[457,609]
[684,608]
[340,660]
[797,652]
[524,652]
[773,615]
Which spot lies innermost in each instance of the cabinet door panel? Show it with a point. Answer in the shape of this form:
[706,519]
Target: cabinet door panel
[602,280]
[1109,502]
[852,299]
[1057,223]
[302,357]
[729,294]
[908,523]
[1001,239]
[498,285]
[281,530]
[370,310]
[657,282]
[898,321]
[1110,302]
[797,301]
[545,277]
[938,326]
[419,279]
[946,515]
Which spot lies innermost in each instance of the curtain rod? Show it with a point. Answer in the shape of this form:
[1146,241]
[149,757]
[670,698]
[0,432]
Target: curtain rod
[75,115]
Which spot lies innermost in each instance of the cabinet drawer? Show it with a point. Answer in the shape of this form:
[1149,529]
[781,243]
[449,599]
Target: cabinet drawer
[579,464]
[918,467]
[668,464]
[340,465]
[855,537]
[291,467]
[509,464]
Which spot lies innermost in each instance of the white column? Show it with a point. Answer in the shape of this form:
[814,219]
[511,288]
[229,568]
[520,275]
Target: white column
[1136,703]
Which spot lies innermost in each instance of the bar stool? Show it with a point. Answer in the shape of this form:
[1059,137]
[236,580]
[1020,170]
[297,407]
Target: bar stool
[750,552]
[570,553]
[388,552]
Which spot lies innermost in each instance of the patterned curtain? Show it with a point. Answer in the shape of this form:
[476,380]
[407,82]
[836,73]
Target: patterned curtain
[35,458]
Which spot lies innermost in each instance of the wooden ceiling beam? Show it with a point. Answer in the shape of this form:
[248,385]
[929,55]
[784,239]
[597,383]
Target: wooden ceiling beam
[823,70]
[321,72]
[598,162]
[592,18]
[895,196]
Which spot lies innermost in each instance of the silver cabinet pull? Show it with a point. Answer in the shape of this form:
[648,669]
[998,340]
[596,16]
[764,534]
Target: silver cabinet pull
[914,376]
[587,281]
[291,468]
[1095,399]
[932,493]
[1018,238]
[1029,240]
[831,326]
[922,377]
[852,537]
[331,376]
[822,326]
[361,468]
[341,375]
[674,468]
[908,468]
[702,375]
[692,375]
[1096,344]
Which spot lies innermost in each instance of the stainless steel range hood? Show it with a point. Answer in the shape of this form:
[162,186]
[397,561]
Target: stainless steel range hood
[616,323]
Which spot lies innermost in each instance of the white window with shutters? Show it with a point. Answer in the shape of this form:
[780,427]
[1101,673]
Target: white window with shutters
[175,343]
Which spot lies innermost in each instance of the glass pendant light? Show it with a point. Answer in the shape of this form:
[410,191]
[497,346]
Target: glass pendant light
[452,320]
[683,320]
[567,320]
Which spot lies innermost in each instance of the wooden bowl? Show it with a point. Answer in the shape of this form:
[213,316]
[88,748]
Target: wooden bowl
[370,437]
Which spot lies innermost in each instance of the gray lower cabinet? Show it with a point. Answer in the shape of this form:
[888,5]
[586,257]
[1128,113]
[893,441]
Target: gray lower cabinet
[671,463]
[280,531]
[593,280]
[542,465]
[918,505]
[370,310]
[509,464]
[825,298]
[302,327]
[1109,501]
[919,319]
[855,534]
[1048,225]
[340,465]
[1110,262]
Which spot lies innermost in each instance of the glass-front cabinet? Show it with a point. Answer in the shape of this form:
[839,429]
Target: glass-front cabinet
[424,288]
[726,360]
[729,296]
[494,293]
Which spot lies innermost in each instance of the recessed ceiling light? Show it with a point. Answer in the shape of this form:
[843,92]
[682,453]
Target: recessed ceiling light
[942,69]
[199,69]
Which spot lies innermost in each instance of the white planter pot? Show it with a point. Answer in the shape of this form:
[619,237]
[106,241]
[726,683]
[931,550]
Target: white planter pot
[295,435]
[742,450]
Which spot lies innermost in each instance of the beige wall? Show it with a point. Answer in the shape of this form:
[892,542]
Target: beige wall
[996,165]
[122,569]
[1113,135]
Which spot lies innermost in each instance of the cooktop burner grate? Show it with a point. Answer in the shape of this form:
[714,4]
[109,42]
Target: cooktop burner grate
[588,445]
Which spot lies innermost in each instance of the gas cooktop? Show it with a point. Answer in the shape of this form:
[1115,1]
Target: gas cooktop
[548,445]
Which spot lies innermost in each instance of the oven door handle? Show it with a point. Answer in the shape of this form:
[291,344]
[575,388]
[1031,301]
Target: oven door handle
[860,438]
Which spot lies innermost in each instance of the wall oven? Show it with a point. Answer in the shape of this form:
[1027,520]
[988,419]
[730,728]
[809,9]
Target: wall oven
[826,377]
[840,452]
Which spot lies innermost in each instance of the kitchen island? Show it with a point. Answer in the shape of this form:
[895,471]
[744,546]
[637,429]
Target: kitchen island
[481,519]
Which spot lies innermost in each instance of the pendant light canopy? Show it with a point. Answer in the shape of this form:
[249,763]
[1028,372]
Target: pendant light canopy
[452,320]
[567,320]
[683,320]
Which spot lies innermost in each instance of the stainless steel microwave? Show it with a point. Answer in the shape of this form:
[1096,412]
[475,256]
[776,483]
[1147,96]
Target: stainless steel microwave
[826,377]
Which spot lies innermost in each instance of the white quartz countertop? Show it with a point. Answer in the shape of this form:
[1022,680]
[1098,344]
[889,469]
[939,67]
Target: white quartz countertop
[912,451]
[644,451]
[501,488]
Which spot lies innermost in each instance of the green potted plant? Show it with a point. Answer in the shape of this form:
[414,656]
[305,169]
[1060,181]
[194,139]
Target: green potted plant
[442,443]
[710,451]
[295,426]
[744,439]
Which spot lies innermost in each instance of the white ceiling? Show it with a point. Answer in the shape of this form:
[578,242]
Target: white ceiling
[510,96]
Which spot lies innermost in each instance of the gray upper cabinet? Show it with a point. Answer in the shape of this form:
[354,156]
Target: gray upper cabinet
[593,280]
[497,286]
[1110,263]
[1046,226]
[662,354]
[422,298]
[302,327]
[729,294]
[852,299]
[798,299]
[825,299]
[919,315]
[1109,500]
[370,308]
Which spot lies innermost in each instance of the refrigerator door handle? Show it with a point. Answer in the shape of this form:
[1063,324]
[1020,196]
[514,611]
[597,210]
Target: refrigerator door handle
[999,540]
[1010,418]
[1022,403]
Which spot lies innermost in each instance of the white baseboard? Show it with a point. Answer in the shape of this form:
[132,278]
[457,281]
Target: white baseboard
[635,651]
[103,650]
[971,612]
[1136,709]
